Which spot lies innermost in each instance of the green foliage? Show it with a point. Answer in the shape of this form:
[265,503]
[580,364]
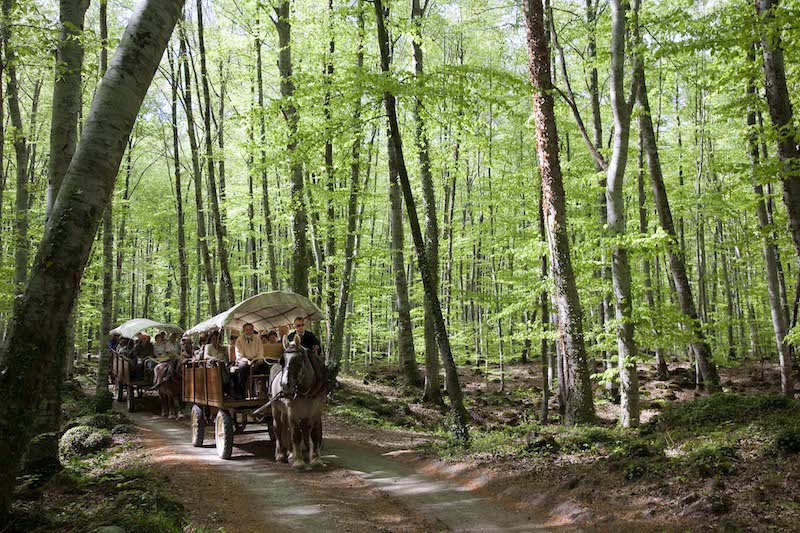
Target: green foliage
[724,408]
[99,420]
[372,409]
[711,459]
[788,440]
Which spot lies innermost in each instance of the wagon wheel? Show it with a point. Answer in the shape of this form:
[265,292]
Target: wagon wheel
[198,426]
[118,388]
[131,395]
[223,432]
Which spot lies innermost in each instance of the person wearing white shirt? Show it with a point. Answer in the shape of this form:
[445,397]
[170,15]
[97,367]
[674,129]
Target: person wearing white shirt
[248,348]
[213,349]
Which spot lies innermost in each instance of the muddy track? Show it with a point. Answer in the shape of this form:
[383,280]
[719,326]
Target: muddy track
[361,489]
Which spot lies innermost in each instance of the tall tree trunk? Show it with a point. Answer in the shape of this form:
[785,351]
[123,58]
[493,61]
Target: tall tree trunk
[620,266]
[66,94]
[108,235]
[183,265]
[779,325]
[460,415]
[26,354]
[432,390]
[299,218]
[578,397]
[675,254]
[117,300]
[226,289]
[336,345]
[202,235]
[661,364]
[63,139]
[330,185]
[21,151]
[252,253]
[405,334]
[273,268]
[3,167]
[780,111]
[545,311]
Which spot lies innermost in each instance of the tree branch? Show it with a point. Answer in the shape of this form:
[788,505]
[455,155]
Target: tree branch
[569,97]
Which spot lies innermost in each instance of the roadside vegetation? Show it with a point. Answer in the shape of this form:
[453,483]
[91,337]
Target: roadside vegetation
[105,482]
[728,461]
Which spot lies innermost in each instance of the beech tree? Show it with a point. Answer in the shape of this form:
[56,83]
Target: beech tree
[49,296]
[579,406]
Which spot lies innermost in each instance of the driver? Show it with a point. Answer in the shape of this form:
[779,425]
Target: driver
[310,342]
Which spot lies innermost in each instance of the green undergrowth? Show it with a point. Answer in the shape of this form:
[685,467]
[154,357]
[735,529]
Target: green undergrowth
[374,409]
[708,437]
[106,488]
[105,481]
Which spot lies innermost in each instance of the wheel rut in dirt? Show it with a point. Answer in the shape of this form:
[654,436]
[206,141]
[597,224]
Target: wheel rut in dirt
[362,489]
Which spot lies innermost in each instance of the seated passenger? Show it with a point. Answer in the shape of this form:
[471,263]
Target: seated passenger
[232,346]
[273,350]
[172,347]
[160,347]
[248,348]
[113,342]
[143,357]
[125,347]
[201,342]
[187,348]
[214,349]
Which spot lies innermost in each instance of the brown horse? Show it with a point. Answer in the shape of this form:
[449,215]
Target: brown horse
[297,403]
[167,381]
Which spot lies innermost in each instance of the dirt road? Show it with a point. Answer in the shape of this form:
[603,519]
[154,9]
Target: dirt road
[361,489]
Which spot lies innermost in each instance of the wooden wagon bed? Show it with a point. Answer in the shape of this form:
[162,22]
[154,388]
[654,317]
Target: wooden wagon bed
[121,369]
[202,386]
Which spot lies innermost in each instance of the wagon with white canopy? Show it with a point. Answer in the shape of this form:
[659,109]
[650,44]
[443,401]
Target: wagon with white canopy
[122,368]
[203,382]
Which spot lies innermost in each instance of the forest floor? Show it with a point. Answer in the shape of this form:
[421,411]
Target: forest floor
[727,462]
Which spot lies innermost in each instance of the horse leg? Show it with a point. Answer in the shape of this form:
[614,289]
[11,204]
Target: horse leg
[315,455]
[163,397]
[279,428]
[297,444]
[176,403]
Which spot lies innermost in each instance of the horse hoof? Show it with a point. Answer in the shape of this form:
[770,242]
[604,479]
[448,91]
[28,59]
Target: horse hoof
[280,458]
[180,416]
[301,467]
[318,463]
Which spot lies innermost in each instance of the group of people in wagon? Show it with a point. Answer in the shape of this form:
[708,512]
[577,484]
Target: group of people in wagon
[247,354]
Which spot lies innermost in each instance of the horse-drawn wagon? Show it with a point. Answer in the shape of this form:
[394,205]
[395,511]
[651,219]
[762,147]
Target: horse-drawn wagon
[203,381]
[127,383]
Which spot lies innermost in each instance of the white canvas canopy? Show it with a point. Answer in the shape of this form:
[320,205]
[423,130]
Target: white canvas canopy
[132,327]
[266,311]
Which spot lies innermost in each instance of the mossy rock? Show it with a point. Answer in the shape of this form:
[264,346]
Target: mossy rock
[82,440]
[99,420]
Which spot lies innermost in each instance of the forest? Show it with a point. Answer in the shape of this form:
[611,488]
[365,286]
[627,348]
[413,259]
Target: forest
[559,238]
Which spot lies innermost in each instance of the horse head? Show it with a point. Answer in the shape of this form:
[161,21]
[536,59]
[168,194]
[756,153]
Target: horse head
[295,375]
